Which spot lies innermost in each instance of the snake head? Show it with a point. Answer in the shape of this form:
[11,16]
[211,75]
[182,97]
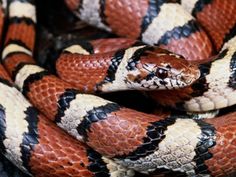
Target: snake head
[159,69]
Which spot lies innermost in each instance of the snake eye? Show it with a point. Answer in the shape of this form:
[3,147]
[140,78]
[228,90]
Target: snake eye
[161,73]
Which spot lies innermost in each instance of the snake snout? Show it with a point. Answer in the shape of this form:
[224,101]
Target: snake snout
[191,75]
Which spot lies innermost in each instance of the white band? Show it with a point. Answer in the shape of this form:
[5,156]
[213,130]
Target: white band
[22,9]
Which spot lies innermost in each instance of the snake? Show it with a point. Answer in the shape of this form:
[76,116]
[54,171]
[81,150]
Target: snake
[38,147]
[162,22]
[180,33]
[136,67]
[214,90]
[136,141]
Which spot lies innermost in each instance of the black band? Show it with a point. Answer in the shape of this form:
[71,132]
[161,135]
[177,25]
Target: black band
[64,103]
[30,138]
[95,115]
[179,32]
[97,165]
[31,79]
[155,134]
[206,141]
[152,11]
[200,4]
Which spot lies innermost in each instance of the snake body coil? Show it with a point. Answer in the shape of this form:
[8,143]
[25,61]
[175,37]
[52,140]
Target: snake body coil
[177,31]
[216,88]
[134,140]
[156,22]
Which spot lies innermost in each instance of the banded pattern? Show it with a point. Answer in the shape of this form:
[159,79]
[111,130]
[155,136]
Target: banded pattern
[225,161]
[217,17]
[139,141]
[22,17]
[180,150]
[138,66]
[214,90]
[28,139]
[148,20]
[96,122]
[19,45]
[74,160]
[110,129]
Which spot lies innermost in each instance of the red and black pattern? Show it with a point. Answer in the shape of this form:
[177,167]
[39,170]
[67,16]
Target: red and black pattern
[134,20]
[136,140]
[216,18]
[210,87]
[219,22]
[45,149]
[131,66]
[112,126]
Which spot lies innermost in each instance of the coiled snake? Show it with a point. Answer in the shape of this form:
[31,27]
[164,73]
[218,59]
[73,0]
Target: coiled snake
[133,140]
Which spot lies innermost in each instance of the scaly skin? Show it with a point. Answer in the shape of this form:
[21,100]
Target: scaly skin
[216,16]
[139,141]
[149,21]
[216,88]
[39,147]
[133,66]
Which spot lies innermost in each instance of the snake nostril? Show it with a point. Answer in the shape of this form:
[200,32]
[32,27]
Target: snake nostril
[185,79]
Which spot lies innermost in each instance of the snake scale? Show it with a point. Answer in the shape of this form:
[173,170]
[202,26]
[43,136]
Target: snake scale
[111,140]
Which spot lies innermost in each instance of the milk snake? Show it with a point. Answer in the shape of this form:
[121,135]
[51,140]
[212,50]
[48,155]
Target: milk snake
[135,140]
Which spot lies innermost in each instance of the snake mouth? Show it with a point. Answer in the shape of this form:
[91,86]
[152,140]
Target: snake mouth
[174,79]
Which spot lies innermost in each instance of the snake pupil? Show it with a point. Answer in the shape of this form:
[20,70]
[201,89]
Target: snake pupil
[161,73]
